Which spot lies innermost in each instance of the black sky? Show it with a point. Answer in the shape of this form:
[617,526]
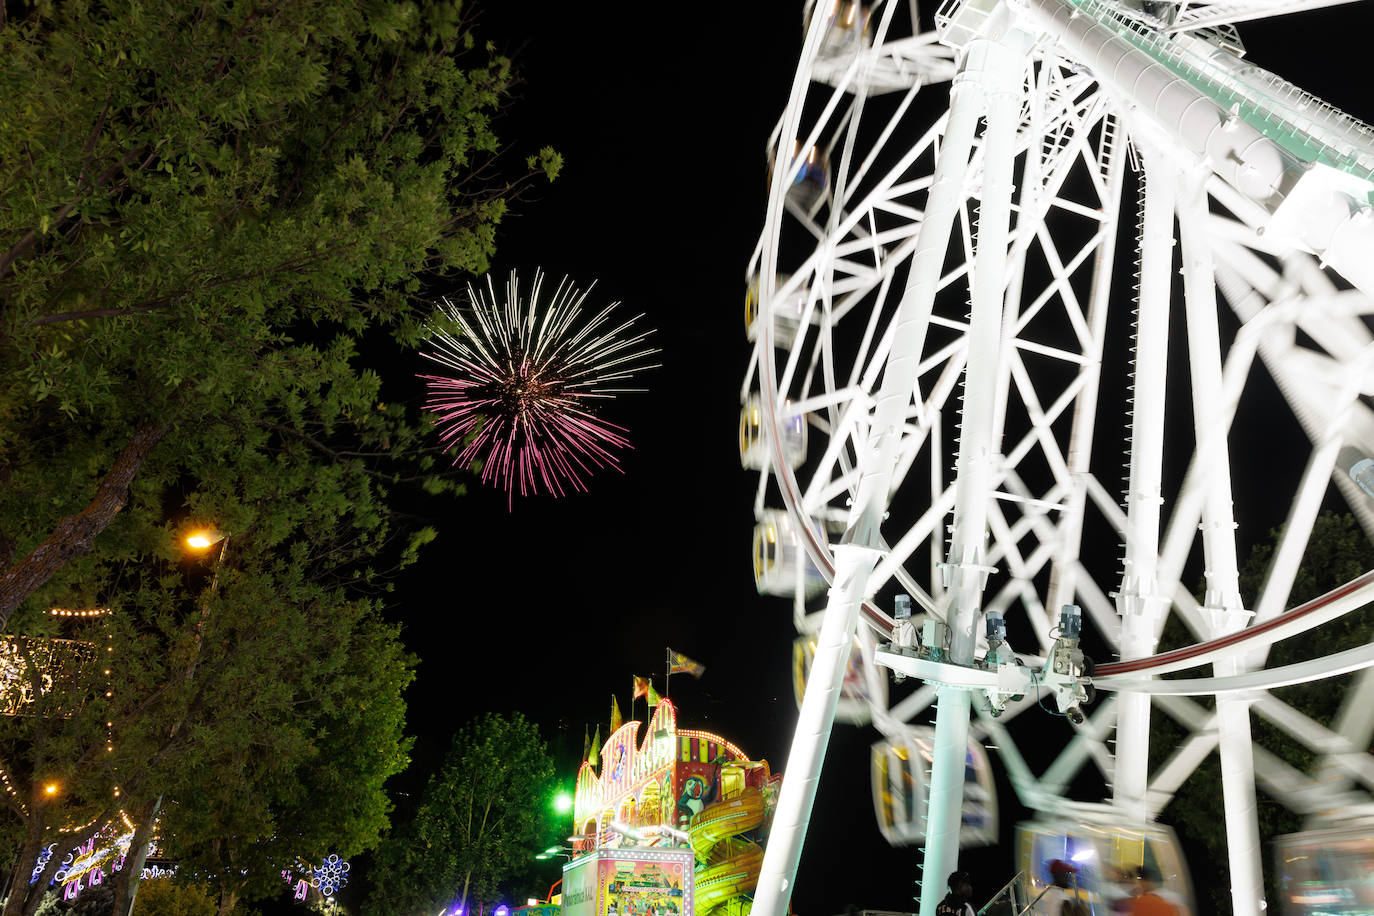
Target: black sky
[662,127]
[662,113]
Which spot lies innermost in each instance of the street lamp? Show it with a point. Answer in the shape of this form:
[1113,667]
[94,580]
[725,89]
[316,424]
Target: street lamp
[203,538]
[200,539]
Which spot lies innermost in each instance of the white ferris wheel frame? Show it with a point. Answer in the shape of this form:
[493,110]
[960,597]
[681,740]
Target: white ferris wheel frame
[1059,95]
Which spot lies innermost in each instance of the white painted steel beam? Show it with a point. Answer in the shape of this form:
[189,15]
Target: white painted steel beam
[1222,600]
[1139,600]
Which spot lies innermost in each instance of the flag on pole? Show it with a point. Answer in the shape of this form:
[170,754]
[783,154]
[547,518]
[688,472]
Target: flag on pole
[653,697]
[642,687]
[594,756]
[616,720]
[681,664]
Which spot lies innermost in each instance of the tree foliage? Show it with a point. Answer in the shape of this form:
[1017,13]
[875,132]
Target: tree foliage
[484,816]
[208,214]
[168,897]
[263,715]
[204,208]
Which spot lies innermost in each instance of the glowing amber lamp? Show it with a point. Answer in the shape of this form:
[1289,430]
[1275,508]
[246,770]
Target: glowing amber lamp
[199,540]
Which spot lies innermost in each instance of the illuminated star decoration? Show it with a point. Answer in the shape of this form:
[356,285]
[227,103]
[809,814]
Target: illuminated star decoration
[330,876]
[525,376]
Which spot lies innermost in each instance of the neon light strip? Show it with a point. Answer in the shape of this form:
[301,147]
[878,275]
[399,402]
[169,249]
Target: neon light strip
[717,739]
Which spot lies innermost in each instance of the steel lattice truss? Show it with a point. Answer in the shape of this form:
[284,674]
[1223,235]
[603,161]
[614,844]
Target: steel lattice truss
[948,374]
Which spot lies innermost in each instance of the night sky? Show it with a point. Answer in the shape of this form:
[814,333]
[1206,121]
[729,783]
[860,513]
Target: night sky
[662,114]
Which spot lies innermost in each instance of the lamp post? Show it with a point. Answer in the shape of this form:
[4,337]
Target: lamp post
[567,853]
[199,540]
[204,539]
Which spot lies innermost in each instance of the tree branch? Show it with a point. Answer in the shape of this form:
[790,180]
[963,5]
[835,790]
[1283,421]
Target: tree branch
[291,265]
[74,535]
[85,314]
[21,247]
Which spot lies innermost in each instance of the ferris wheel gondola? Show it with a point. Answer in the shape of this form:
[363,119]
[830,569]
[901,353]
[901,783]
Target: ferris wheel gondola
[1327,870]
[1105,859]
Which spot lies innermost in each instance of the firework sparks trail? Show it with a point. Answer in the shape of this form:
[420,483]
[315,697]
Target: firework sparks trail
[525,377]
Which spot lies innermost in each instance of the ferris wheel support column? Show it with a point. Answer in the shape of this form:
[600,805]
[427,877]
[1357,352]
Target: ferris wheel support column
[1139,601]
[1003,66]
[834,642]
[1222,600]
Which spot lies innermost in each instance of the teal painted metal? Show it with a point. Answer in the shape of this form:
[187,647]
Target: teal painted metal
[1304,126]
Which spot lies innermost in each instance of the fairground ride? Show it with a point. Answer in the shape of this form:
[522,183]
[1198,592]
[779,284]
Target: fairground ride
[949,357]
[668,824]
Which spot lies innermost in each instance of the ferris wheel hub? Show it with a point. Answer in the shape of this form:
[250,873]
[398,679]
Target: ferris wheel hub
[1001,676]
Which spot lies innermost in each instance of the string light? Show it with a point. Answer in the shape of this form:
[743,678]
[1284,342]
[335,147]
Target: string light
[89,857]
[43,856]
[9,787]
[109,692]
[714,739]
[60,662]
[86,826]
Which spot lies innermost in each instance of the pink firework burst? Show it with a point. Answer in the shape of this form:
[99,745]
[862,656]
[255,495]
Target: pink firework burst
[525,376]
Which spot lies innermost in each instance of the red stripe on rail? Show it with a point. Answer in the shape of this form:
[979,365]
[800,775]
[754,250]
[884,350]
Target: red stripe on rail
[1259,629]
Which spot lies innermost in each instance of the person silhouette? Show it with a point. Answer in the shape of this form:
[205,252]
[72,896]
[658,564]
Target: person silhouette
[1061,897]
[956,902]
[1147,902]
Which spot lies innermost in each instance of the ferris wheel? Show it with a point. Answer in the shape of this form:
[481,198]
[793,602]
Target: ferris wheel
[957,344]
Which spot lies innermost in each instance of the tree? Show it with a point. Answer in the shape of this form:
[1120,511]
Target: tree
[482,819]
[168,897]
[259,717]
[206,211]
[1337,552]
[204,207]
[292,773]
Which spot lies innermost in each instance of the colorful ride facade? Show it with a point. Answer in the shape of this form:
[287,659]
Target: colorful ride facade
[670,824]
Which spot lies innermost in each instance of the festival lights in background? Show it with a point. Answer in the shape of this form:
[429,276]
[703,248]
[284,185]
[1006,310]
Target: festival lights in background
[526,374]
